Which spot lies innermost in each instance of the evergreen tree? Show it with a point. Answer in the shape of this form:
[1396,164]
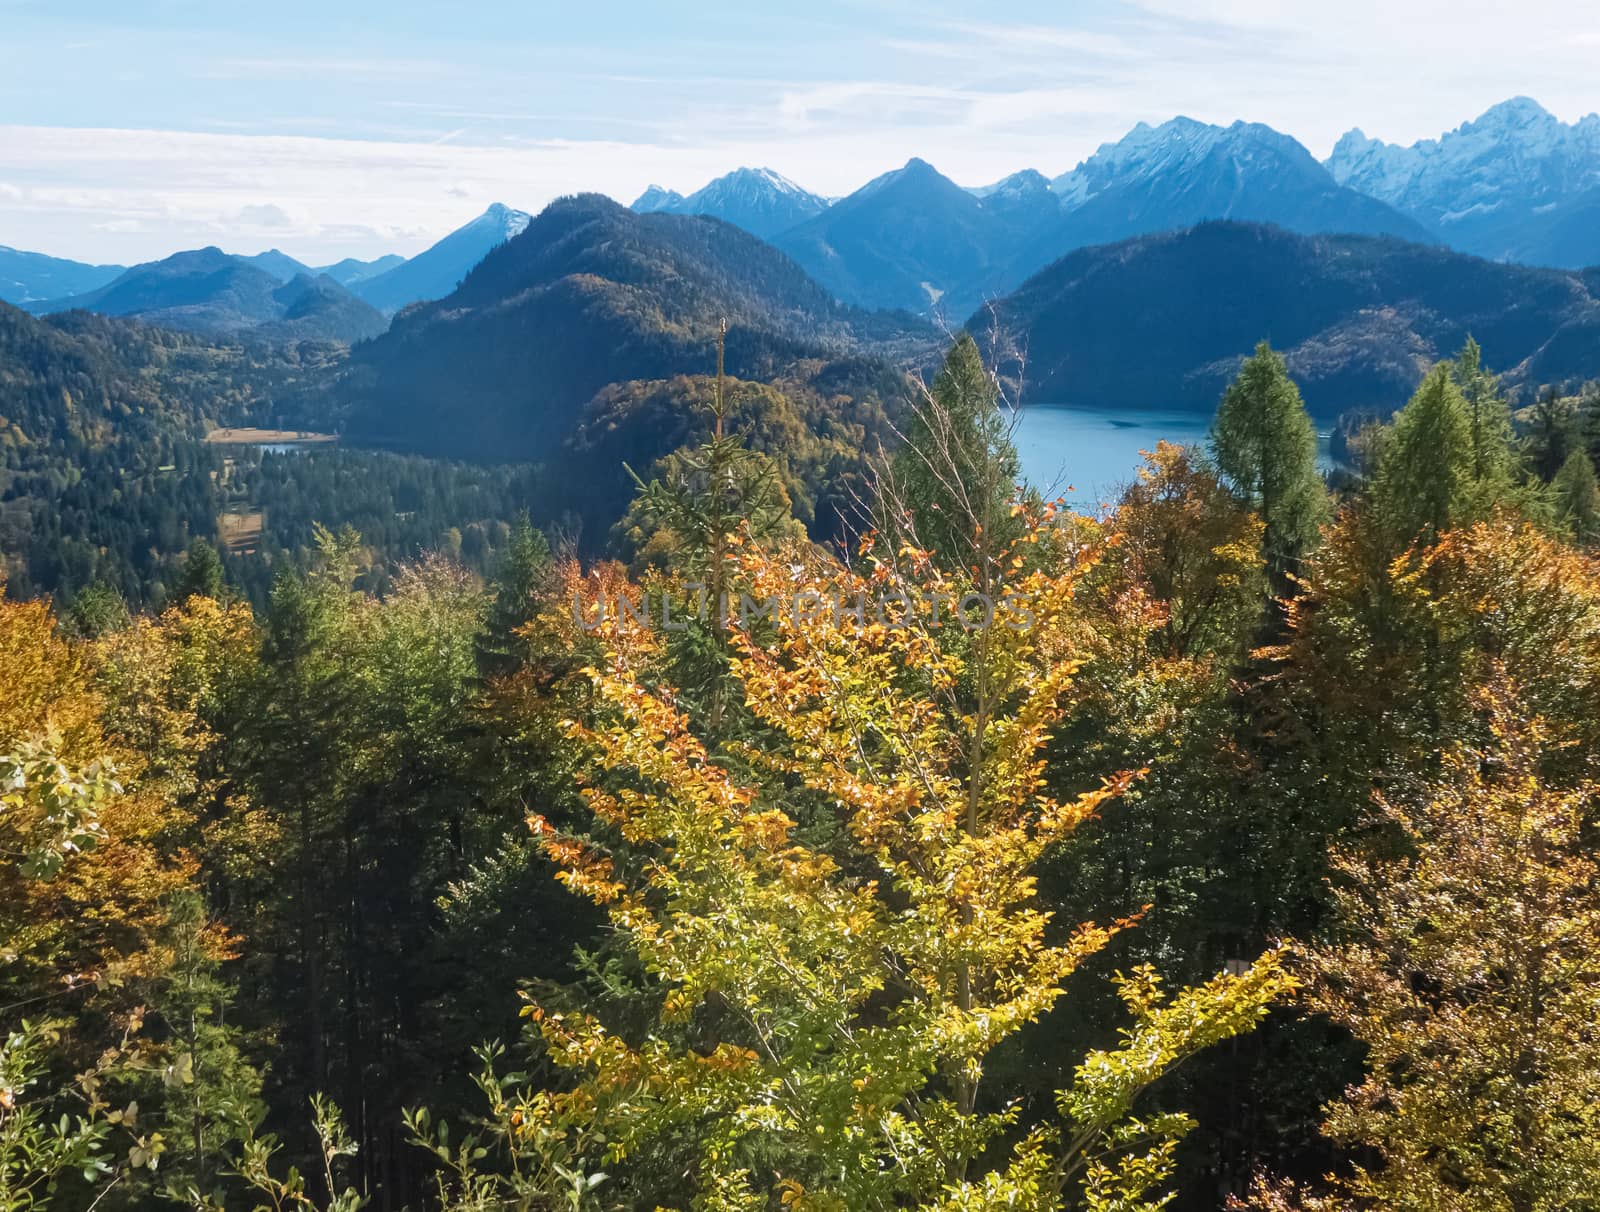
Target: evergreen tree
[212,1093]
[1488,416]
[523,570]
[1266,449]
[700,507]
[1578,497]
[1550,433]
[952,486]
[1425,484]
[202,573]
[96,611]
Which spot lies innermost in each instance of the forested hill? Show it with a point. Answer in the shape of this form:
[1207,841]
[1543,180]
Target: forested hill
[207,291]
[589,296]
[1166,319]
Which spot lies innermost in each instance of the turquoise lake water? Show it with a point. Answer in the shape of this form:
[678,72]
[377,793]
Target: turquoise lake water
[1095,451]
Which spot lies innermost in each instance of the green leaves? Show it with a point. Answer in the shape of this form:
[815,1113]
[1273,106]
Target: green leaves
[49,812]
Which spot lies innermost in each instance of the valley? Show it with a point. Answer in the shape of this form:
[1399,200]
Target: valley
[826,608]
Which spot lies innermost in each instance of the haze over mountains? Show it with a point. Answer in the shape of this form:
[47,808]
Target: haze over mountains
[1164,321]
[1515,185]
[208,291]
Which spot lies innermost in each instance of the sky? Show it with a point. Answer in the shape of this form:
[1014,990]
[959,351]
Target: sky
[129,130]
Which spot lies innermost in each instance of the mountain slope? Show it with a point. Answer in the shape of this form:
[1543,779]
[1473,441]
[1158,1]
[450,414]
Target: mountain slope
[207,291]
[1164,320]
[654,198]
[279,264]
[1515,184]
[350,271]
[437,271]
[913,239]
[27,277]
[592,295]
[1185,172]
[759,200]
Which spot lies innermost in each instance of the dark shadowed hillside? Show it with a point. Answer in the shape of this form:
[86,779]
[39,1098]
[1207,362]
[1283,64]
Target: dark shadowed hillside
[589,295]
[1165,320]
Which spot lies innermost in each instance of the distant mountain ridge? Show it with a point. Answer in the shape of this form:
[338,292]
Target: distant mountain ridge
[435,272]
[27,277]
[589,296]
[208,291]
[1514,184]
[1164,320]
[759,200]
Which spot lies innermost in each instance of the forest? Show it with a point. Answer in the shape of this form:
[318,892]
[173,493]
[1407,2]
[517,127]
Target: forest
[1230,846]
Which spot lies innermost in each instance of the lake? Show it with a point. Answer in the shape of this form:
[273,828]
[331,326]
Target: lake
[1093,449]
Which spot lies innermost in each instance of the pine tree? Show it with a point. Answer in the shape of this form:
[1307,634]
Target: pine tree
[96,611]
[1551,433]
[1578,497]
[951,488]
[1488,416]
[522,574]
[212,1094]
[704,505]
[202,573]
[1266,449]
[1425,484]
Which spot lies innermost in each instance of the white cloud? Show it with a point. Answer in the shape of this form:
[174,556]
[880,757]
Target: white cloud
[264,215]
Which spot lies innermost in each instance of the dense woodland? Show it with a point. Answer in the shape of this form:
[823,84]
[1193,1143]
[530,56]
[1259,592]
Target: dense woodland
[1233,843]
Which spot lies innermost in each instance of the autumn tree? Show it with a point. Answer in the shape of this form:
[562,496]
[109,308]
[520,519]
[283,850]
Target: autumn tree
[825,1012]
[1266,449]
[1464,962]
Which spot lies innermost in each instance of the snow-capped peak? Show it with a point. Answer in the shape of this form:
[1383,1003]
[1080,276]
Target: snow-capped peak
[512,222]
[656,198]
[1176,145]
[1516,154]
[760,200]
[1017,185]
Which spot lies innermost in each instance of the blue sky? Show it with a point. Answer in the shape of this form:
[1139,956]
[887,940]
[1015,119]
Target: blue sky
[354,128]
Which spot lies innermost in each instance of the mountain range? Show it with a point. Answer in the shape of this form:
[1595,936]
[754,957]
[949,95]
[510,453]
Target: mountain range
[271,294]
[434,273]
[1517,184]
[208,291]
[27,277]
[913,239]
[591,296]
[759,200]
[1165,320]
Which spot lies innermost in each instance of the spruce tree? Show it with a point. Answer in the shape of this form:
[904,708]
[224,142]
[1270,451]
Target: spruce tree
[522,573]
[1266,450]
[1577,497]
[1551,434]
[202,573]
[951,488]
[1425,484]
[1488,416]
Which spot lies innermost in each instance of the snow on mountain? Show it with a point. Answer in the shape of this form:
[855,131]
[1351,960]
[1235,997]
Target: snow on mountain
[1500,186]
[1026,185]
[761,201]
[656,198]
[1179,146]
[435,272]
